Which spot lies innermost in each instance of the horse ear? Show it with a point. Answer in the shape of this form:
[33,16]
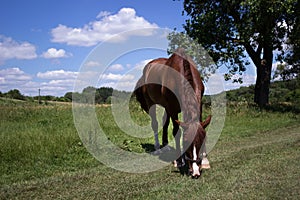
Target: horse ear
[206,122]
[182,124]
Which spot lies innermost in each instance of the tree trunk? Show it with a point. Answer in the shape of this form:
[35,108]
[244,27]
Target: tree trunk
[263,79]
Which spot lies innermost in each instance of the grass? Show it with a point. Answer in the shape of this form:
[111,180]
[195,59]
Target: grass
[42,157]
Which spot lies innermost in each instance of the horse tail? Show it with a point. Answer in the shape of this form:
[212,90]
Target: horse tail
[139,93]
[140,90]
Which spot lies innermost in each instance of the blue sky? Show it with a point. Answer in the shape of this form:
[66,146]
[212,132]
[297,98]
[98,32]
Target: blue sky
[44,44]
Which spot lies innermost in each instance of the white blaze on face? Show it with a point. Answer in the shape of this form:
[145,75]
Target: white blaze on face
[196,171]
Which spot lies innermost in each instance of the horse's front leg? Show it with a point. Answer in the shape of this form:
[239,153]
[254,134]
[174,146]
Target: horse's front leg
[177,135]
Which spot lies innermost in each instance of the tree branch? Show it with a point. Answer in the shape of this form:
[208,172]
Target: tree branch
[253,54]
[259,49]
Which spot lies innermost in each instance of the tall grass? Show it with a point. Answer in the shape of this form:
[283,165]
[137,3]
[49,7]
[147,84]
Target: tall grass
[41,153]
[37,141]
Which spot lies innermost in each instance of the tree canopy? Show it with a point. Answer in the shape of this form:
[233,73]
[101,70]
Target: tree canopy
[15,94]
[291,68]
[234,30]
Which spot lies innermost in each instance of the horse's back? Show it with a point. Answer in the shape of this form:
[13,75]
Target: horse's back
[143,89]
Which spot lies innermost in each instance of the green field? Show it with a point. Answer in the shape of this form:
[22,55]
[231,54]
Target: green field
[42,157]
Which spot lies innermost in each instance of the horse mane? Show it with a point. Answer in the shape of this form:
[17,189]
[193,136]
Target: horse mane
[191,111]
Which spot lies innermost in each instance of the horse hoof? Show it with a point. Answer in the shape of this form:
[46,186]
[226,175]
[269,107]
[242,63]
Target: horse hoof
[195,176]
[179,164]
[175,163]
[205,164]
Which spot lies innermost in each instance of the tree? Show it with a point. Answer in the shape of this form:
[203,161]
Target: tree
[89,94]
[15,94]
[104,93]
[291,68]
[98,96]
[68,96]
[232,30]
[77,97]
[205,64]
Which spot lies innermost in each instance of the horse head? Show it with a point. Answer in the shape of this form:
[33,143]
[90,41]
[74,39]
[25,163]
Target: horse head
[194,137]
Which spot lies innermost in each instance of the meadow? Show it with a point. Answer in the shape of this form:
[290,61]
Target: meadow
[42,157]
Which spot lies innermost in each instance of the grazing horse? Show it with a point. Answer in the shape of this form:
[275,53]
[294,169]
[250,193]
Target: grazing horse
[176,85]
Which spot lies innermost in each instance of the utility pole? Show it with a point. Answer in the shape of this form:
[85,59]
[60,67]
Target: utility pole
[40,96]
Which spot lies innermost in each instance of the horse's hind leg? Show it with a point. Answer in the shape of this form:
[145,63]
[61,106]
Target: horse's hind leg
[166,122]
[154,125]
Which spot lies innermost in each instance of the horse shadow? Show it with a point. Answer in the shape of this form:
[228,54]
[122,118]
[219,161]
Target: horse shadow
[166,154]
[148,147]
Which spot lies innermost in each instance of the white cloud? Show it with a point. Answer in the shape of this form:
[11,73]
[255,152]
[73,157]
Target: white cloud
[247,80]
[54,53]
[123,86]
[55,83]
[116,67]
[92,64]
[142,64]
[116,77]
[103,14]
[125,81]
[106,26]
[54,87]
[14,75]
[216,83]
[126,85]
[10,49]
[276,64]
[57,74]
[13,78]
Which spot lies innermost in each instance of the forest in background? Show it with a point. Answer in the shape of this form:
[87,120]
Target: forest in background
[284,93]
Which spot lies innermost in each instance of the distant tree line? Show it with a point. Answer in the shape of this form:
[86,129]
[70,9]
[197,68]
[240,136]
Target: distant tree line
[13,94]
[280,92]
[91,95]
[102,95]
[287,91]
[16,94]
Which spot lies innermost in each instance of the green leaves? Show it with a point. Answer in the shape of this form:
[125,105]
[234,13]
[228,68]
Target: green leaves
[204,61]
[226,28]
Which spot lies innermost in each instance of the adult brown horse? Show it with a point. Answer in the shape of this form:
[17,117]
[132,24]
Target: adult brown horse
[175,84]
